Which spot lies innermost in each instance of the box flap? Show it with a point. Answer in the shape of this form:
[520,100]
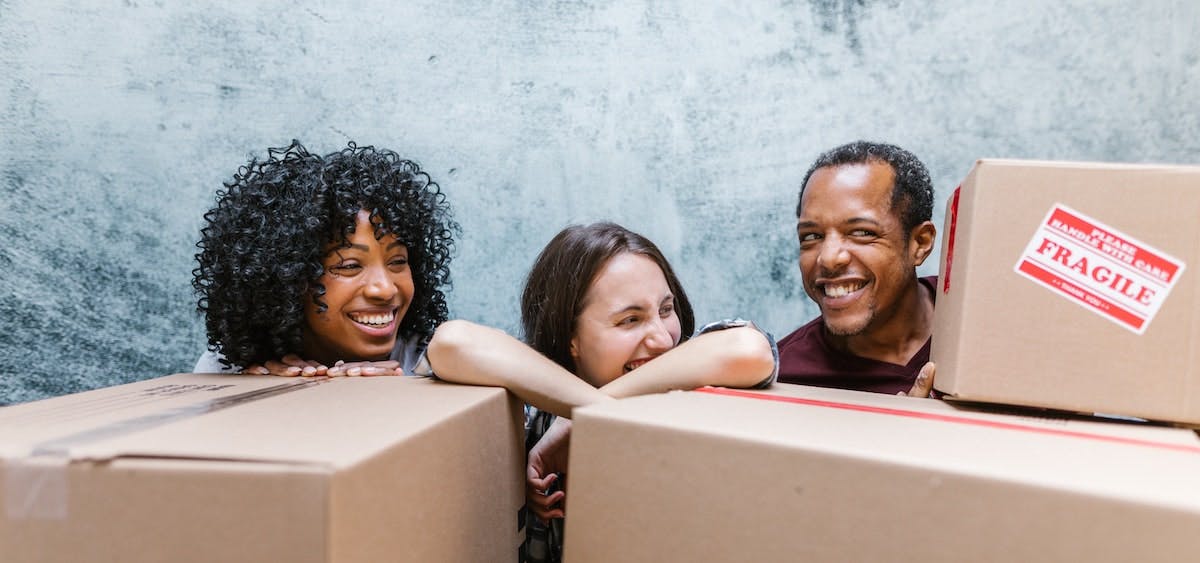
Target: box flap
[205,416]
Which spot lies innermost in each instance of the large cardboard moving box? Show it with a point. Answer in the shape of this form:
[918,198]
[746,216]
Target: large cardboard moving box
[807,474]
[244,468]
[1073,286]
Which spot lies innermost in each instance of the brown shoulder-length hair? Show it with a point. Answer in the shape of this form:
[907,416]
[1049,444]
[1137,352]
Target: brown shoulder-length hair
[563,272]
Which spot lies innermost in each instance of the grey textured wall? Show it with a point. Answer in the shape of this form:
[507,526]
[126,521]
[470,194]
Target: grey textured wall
[689,121]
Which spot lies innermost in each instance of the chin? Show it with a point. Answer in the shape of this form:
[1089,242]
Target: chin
[846,327]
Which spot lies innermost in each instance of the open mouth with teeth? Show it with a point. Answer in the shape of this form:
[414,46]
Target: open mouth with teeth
[374,320]
[634,365]
[842,289]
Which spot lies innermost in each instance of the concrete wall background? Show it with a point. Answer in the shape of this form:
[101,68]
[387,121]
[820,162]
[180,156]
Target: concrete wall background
[691,122]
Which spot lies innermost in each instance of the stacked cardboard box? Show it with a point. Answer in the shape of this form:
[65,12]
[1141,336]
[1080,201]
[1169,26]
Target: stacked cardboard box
[807,474]
[1071,286]
[242,468]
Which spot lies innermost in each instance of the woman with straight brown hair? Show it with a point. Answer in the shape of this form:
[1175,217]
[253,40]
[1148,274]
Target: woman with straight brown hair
[604,316]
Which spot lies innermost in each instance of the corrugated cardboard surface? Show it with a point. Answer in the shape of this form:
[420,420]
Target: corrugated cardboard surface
[812,474]
[999,337]
[242,468]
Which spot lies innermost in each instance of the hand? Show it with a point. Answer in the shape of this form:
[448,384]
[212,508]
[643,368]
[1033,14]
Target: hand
[290,365]
[923,386]
[548,460]
[366,369]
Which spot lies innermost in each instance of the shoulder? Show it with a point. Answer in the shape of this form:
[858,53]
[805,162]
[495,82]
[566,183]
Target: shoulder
[410,351]
[211,362]
[930,283]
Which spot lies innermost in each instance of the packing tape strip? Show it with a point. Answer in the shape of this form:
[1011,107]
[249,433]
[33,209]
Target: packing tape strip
[36,486]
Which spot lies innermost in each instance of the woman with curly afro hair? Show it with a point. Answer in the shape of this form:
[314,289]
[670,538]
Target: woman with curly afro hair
[307,262]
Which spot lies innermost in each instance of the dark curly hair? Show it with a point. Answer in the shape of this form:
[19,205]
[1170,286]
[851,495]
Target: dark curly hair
[261,249]
[563,273]
[912,193]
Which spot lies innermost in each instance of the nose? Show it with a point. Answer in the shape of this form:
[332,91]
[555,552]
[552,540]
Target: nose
[378,285]
[658,337]
[833,256]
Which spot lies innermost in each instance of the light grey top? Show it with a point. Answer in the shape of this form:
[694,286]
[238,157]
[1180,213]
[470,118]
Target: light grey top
[406,352]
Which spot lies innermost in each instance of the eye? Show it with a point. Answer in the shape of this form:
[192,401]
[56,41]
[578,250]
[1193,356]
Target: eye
[628,321]
[345,268]
[809,238]
[398,263]
[863,233]
[666,310]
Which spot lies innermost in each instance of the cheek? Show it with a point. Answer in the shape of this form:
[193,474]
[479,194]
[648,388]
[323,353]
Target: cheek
[675,330]
[404,282]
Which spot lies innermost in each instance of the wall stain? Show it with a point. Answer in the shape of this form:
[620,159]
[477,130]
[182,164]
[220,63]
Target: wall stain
[844,16]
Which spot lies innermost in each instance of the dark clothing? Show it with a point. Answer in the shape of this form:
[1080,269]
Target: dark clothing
[807,358]
[544,541]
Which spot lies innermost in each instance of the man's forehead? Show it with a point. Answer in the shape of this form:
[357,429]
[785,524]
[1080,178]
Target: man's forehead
[848,185]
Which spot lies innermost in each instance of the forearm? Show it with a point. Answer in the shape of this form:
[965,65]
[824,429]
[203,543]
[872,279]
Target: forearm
[464,352]
[734,357]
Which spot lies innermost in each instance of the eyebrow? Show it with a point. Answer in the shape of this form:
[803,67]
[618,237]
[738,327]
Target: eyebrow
[364,248]
[638,308]
[850,221]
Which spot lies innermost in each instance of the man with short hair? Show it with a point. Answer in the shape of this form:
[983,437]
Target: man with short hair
[863,221]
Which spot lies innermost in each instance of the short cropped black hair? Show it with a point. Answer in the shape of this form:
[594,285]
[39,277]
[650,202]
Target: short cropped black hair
[912,193]
[262,244]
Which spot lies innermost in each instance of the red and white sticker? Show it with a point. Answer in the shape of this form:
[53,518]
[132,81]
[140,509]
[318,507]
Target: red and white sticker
[1099,267]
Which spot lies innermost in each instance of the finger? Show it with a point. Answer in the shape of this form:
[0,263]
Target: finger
[256,370]
[538,483]
[282,369]
[546,515]
[314,370]
[545,508]
[293,360]
[923,386]
[546,502]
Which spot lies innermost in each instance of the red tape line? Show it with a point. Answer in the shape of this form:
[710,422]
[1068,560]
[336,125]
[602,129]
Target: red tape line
[950,418]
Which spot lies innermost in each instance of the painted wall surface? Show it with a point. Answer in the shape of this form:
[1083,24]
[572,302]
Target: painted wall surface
[691,122]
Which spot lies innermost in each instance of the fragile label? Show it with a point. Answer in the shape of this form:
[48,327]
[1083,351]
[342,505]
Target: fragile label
[1099,267]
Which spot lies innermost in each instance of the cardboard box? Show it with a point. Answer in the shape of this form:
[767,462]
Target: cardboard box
[244,468]
[1073,286]
[809,474]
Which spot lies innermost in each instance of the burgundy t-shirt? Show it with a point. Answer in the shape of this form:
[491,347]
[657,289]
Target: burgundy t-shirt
[806,358]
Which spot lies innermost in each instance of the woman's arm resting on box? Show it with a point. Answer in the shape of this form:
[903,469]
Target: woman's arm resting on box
[740,356]
[465,352]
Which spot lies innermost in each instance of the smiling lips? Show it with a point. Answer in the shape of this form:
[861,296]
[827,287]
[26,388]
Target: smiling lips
[842,289]
[374,320]
[635,364]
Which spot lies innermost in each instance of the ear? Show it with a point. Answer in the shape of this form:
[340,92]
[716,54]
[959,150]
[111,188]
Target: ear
[920,242]
[575,349]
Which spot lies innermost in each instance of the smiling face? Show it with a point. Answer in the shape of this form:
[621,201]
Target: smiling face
[856,261]
[368,288]
[628,318]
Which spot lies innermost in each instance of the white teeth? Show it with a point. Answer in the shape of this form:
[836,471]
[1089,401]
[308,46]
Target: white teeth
[374,320]
[842,290]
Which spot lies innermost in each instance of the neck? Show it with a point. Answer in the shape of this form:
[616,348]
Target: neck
[897,338]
